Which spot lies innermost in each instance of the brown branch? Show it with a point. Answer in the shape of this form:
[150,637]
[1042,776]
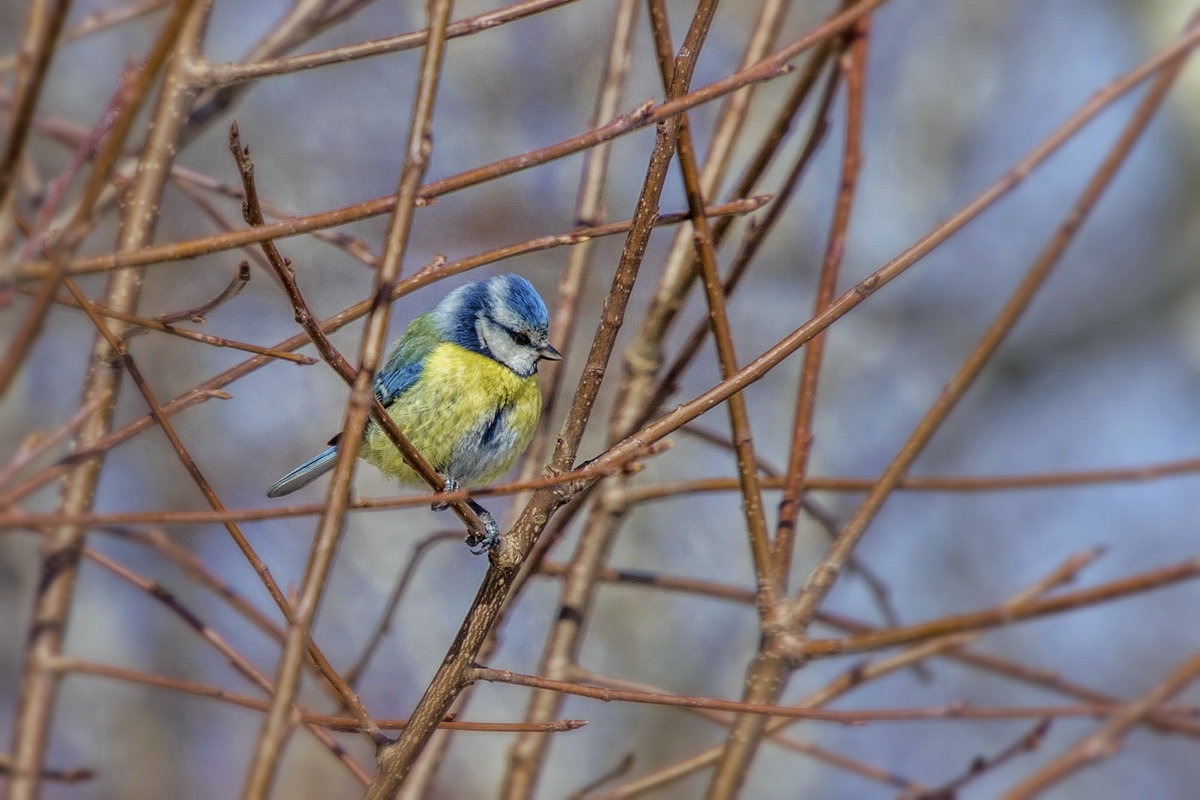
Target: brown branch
[73,775]
[1142,582]
[339,687]
[823,576]
[934,483]
[17,519]
[143,323]
[197,313]
[1105,741]
[508,556]
[43,24]
[853,66]
[739,416]
[347,724]
[329,528]
[981,765]
[223,74]
[422,278]
[649,114]
[857,717]
[756,689]
[52,605]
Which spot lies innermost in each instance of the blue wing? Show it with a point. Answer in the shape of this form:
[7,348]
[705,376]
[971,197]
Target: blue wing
[399,374]
[403,367]
[392,383]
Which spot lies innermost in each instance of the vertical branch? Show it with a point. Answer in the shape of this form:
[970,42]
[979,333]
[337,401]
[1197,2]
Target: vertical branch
[607,511]
[39,684]
[853,66]
[127,101]
[528,752]
[739,416]
[341,691]
[420,143]
[825,574]
[396,759]
[644,356]
[589,211]
[43,24]
[761,226]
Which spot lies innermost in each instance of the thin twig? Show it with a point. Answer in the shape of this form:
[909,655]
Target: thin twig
[329,528]
[768,68]
[307,320]
[339,687]
[347,724]
[853,66]
[1105,741]
[52,606]
[823,576]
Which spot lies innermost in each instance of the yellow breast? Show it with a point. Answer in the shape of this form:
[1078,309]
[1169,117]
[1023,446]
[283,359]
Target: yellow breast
[467,414]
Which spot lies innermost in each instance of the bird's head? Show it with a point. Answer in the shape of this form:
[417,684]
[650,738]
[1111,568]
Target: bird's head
[503,318]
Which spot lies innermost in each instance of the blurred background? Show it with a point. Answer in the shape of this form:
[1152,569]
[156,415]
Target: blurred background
[1102,372]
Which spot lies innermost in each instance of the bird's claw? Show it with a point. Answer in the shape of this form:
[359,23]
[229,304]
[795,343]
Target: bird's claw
[451,485]
[479,541]
[482,542]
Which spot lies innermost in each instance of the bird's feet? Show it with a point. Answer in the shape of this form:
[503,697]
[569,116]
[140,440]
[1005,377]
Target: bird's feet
[451,485]
[482,542]
[478,541]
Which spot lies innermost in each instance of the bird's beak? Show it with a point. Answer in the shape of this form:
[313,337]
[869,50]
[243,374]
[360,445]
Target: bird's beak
[547,353]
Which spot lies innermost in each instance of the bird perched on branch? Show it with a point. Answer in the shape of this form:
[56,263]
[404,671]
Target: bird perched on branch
[461,383]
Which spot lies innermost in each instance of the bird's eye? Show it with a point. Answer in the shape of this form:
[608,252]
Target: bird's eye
[521,339]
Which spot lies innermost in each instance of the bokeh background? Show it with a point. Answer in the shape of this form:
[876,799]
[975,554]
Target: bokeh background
[1102,372]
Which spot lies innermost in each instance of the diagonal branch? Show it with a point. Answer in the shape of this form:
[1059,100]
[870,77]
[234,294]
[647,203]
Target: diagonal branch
[329,529]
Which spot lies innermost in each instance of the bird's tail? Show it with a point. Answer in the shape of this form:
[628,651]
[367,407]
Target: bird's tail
[304,474]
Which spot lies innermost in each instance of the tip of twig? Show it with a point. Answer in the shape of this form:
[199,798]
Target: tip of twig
[642,111]
[760,200]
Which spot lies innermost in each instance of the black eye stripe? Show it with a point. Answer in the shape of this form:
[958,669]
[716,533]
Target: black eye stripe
[519,337]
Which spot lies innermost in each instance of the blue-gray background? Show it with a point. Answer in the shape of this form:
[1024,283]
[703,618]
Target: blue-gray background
[1102,372]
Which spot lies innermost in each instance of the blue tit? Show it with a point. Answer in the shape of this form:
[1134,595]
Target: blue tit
[461,383]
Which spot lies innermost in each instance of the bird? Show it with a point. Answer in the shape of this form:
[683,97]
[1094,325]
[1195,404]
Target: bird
[461,383]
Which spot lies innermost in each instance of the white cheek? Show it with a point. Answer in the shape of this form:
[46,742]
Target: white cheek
[520,360]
